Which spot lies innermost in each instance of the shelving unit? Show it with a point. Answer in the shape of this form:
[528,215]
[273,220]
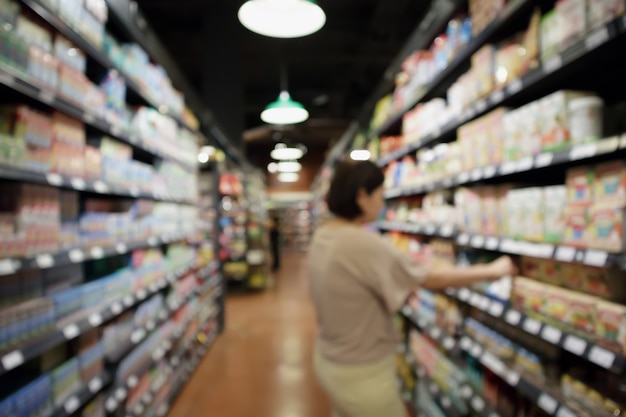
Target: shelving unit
[453,167]
[139,290]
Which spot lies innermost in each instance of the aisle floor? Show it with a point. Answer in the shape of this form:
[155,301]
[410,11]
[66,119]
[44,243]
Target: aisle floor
[261,365]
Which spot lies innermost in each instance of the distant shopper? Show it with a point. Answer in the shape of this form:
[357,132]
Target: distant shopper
[275,242]
[359,281]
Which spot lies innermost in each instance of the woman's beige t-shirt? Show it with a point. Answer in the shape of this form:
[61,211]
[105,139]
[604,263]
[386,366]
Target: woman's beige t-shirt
[359,281]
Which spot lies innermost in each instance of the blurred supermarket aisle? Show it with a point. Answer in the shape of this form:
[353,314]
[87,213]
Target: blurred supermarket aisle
[261,364]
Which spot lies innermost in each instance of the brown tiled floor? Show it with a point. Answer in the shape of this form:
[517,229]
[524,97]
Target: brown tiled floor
[261,365]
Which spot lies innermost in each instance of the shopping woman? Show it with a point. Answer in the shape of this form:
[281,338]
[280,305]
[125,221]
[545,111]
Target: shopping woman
[359,281]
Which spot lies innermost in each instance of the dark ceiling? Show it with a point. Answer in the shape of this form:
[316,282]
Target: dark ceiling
[331,72]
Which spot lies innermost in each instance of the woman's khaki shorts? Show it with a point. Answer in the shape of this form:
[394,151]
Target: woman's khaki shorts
[363,390]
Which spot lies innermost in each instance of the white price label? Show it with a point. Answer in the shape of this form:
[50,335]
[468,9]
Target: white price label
[158,355]
[515,86]
[513,317]
[137,336]
[484,303]
[54,179]
[7,79]
[575,344]
[477,174]
[121,247]
[153,241]
[132,381]
[547,403]
[551,334]
[565,254]
[128,300]
[464,294]
[78,183]
[101,187]
[12,360]
[475,299]
[497,97]
[448,343]
[463,239]
[120,394]
[524,164]
[466,392]
[95,385]
[492,243]
[6,267]
[435,333]
[602,357]
[447,230]
[476,350]
[478,404]
[531,326]
[544,160]
[463,177]
[578,152]
[115,130]
[493,363]
[153,287]
[595,257]
[97,252]
[597,38]
[141,294]
[430,229]
[150,325]
[565,412]
[46,96]
[116,308]
[496,309]
[71,405]
[88,117]
[490,171]
[553,64]
[508,168]
[71,331]
[76,256]
[45,261]
[478,241]
[481,106]
[110,404]
[95,319]
[134,191]
[512,378]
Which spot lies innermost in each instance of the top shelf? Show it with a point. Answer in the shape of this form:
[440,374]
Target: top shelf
[535,79]
[66,30]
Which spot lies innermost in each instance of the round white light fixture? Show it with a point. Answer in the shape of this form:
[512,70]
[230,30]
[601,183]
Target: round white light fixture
[282,18]
[205,154]
[283,153]
[288,177]
[284,111]
[203,158]
[360,155]
[272,167]
[289,166]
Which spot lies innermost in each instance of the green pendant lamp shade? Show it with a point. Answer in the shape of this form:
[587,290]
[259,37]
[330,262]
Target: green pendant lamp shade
[282,18]
[284,111]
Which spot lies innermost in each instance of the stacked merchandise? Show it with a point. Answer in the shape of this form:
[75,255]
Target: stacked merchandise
[258,236]
[233,234]
[513,144]
[296,225]
[104,288]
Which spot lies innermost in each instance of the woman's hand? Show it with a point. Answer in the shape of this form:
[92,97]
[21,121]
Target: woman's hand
[501,267]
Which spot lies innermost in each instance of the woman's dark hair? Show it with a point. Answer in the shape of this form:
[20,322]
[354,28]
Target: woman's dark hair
[349,178]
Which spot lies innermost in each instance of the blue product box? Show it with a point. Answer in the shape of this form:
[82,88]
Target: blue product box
[68,302]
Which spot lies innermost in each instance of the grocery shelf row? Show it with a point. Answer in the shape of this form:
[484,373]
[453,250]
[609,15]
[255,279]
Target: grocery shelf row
[583,152]
[70,33]
[25,85]
[511,13]
[562,253]
[547,72]
[80,184]
[9,266]
[582,348]
[547,402]
[32,348]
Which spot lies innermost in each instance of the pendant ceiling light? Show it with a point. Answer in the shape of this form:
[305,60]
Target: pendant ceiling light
[282,18]
[282,152]
[289,166]
[284,111]
[288,177]
[360,155]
